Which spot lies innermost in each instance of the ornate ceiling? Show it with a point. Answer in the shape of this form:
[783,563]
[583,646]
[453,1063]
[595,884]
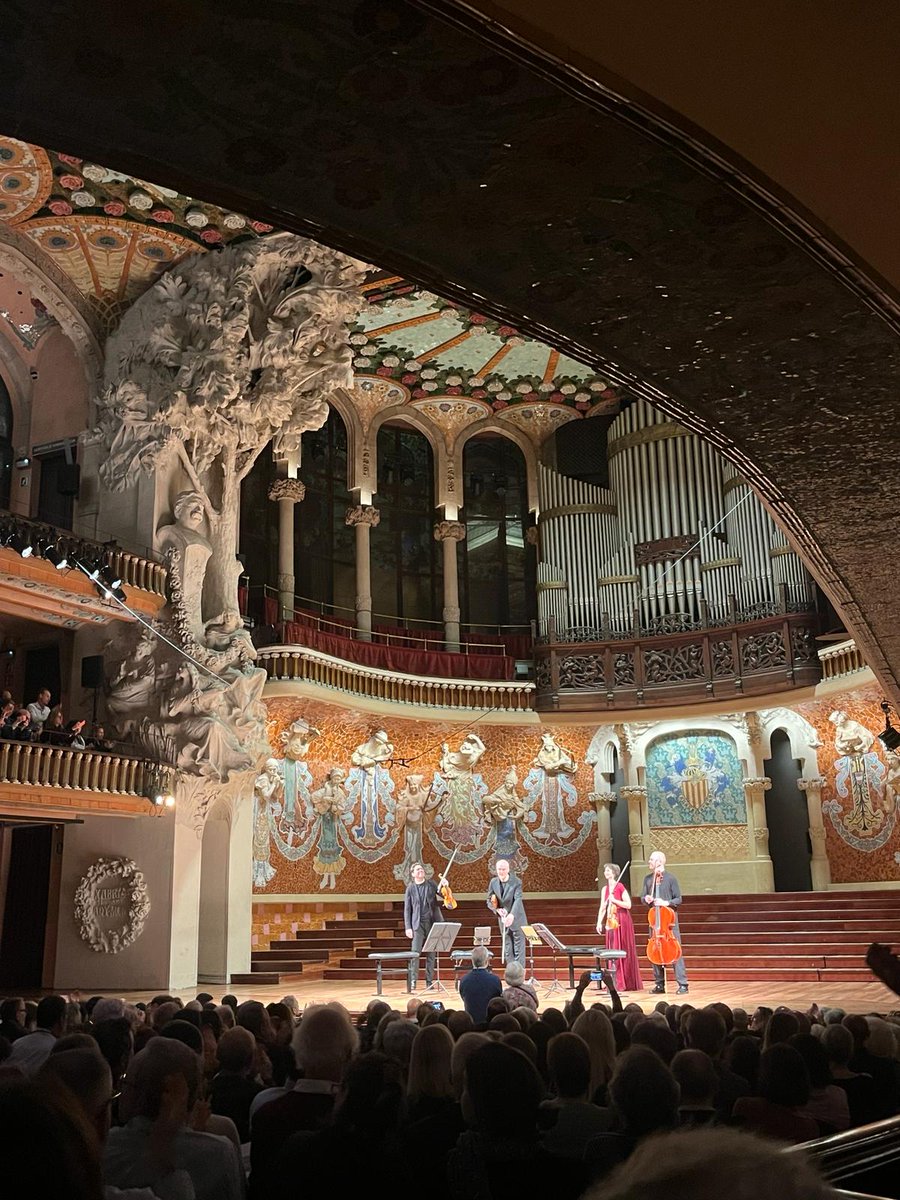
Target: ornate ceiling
[114,234]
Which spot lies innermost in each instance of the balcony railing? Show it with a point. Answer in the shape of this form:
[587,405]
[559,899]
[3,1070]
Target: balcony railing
[302,664]
[841,659]
[135,571]
[752,658]
[34,765]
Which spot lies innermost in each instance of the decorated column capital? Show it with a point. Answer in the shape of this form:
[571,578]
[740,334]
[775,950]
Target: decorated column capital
[811,786]
[453,530]
[635,839]
[633,793]
[756,787]
[362,514]
[287,489]
[602,799]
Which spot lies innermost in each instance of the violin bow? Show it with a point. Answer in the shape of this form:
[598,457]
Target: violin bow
[446,871]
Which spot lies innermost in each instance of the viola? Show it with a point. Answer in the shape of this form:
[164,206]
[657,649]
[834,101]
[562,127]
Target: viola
[663,947]
[447,898]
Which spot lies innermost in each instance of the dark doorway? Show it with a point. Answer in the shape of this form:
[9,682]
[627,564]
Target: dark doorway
[788,819]
[42,670]
[57,489]
[26,906]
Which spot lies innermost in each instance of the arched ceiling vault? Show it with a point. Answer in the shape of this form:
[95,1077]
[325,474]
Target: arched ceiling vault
[384,129]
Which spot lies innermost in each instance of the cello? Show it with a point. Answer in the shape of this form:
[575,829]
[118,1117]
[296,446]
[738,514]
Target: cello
[663,947]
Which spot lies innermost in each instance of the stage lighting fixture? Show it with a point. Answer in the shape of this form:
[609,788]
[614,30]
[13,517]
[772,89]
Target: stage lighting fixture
[56,554]
[889,736]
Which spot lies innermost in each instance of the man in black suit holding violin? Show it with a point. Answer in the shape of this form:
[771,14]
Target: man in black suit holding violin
[421,908]
[660,889]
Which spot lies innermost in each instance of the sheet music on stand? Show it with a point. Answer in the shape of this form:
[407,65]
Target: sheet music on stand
[556,947]
[482,935]
[440,941]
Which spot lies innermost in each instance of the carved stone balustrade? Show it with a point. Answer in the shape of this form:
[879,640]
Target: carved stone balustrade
[298,663]
[753,658]
[49,779]
[841,660]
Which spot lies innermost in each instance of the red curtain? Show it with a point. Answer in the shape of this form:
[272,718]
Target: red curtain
[438,663]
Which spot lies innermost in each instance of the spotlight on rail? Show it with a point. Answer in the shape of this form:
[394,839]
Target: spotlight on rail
[889,736]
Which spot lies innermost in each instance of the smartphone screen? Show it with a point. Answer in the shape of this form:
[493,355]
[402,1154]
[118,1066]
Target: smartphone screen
[438,1005]
[597,976]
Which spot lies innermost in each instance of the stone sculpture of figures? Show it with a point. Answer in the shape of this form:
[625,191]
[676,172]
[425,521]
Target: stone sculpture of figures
[329,801]
[371,782]
[849,736]
[266,800]
[188,552]
[416,803]
[506,807]
[550,781]
[461,808]
[296,741]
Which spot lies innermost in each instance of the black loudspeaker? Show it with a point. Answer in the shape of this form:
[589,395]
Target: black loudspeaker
[69,479]
[92,671]
[581,450]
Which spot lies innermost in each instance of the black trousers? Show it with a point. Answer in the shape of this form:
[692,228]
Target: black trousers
[419,937]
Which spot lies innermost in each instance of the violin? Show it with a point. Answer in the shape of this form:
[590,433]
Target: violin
[663,947]
[447,898]
[612,918]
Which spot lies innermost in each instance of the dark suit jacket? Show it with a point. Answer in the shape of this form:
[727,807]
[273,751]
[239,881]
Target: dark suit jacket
[668,889]
[509,896]
[413,916]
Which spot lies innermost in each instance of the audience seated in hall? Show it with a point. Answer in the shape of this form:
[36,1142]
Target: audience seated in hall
[548,1103]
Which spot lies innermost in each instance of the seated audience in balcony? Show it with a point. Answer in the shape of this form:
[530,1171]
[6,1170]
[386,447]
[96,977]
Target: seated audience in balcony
[75,735]
[54,731]
[479,986]
[12,1018]
[30,1051]
[19,728]
[39,709]
[7,715]
[99,741]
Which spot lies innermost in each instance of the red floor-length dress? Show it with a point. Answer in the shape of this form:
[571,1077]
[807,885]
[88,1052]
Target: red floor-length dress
[628,970]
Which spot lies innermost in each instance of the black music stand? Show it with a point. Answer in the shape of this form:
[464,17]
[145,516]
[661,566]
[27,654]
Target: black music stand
[533,939]
[552,941]
[441,937]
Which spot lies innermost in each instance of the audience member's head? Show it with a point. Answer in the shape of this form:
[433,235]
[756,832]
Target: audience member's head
[73,1041]
[370,1100]
[398,1041]
[85,1073]
[503,1093]
[480,957]
[115,1041]
[460,1022]
[47,1142]
[514,974]
[253,1016]
[463,1049]
[692,1166]
[595,1028]
[504,1022]
[814,1056]
[149,1078]
[741,1019]
[554,1020]
[430,1062]
[162,1014]
[781,1027]
[226,1015]
[107,1008]
[837,1042]
[230,1001]
[184,1032]
[783,1077]
[655,1033]
[742,1057]
[236,1051]
[324,1042]
[495,1006]
[696,1078]
[569,1067]
[51,1015]
[643,1093]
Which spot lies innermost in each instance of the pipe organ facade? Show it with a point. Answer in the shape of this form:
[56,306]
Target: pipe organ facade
[678,540]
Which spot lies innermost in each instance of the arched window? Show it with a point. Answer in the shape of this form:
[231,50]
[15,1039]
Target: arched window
[407,571]
[497,565]
[6,443]
[324,547]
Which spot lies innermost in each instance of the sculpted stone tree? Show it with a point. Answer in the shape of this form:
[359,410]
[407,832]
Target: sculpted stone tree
[222,356]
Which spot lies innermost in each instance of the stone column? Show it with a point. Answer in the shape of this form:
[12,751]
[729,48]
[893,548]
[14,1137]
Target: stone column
[363,517]
[449,533]
[755,792]
[819,866]
[287,493]
[602,802]
[636,799]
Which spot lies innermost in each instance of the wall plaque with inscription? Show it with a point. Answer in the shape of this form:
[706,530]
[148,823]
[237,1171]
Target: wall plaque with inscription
[111,905]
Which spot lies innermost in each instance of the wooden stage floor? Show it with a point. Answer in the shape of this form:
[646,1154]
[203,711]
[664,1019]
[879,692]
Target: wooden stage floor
[853,997]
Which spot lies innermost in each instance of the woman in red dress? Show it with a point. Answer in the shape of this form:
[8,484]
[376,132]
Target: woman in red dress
[614,918]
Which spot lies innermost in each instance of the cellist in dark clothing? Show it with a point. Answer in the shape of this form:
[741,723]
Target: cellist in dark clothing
[660,888]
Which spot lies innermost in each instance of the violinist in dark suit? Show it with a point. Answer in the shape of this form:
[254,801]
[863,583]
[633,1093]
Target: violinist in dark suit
[660,888]
[504,899]
[421,908]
